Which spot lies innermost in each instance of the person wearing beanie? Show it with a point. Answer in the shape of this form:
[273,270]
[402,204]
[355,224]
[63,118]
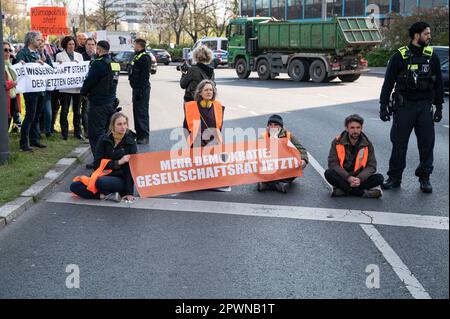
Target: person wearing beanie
[275,129]
[99,88]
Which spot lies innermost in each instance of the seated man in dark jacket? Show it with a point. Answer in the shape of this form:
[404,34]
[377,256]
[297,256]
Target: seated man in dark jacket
[352,164]
[116,146]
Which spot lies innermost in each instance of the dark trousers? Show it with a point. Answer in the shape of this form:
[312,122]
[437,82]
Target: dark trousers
[287,180]
[56,104]
[338,181]
[99,117]
[84,115]
[65,104]
[30,133]
[417,115]
[141,100]
[105,185]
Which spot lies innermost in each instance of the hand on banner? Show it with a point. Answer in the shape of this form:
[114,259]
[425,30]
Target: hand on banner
[303,164]
[40,62]
[22,61]
[124,159]
[14,84]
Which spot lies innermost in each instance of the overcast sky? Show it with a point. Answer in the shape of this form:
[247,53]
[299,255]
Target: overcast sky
[74,5]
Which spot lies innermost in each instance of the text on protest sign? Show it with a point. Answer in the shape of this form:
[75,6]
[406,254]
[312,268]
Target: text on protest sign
[34,77]
[49,20]
[161,173]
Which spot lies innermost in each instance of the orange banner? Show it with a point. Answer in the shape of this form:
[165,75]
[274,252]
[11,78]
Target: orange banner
[49,20]
[168,172]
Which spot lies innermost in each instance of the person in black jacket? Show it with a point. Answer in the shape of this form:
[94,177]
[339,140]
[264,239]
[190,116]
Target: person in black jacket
[139,77]
[117,145]
[200,71]
[100,88]
[415,71]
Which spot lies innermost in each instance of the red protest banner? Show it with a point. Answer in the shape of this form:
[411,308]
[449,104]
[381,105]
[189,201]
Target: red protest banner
[49,20]
[160,173]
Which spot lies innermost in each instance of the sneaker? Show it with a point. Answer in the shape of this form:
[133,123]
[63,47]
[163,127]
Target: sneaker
[282,187]
[222,189]
[375,192]
[337,192]
[425,186]
[115,197]
[261,187]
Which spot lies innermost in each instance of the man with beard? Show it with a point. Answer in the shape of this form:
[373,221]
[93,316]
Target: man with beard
[415,75]
[352,164]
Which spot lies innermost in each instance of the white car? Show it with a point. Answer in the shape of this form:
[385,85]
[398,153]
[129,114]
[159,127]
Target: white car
[219,47]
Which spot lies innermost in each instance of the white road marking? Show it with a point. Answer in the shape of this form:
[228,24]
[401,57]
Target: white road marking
[241,106]
[315,164]
[254,113]
[274,211]
[375,119]
[445,126]
[406,276]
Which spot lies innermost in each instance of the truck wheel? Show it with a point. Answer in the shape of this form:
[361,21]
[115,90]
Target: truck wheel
[330,78]
[349,77]
[318,71]
[298,70]
[241,69]
[263,69]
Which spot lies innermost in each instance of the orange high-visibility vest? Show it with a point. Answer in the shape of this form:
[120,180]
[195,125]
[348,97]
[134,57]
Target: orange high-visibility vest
[265,135]
[90,181]
[361,157]
[194,122]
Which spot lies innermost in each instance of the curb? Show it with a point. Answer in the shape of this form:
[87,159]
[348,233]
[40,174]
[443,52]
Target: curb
[10,211]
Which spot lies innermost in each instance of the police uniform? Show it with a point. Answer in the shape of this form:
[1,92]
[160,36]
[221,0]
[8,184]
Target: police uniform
[415,75]
[139,77]
[100,87]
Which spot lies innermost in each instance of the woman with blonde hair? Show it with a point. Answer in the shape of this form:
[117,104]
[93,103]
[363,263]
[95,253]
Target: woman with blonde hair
[112,178]
[200,71]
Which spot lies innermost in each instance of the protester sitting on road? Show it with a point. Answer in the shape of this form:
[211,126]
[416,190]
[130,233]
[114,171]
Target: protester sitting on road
[193,75]
[67,95]
[275,129]
[352,164]
[112,154]
[205,113]
[12,98]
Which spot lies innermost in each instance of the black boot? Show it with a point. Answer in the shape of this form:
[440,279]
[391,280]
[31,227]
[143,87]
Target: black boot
[425,186]
[391,183]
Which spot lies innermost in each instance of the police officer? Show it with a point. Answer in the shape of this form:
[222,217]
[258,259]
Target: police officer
[139,77]
[100,88]
[415,72]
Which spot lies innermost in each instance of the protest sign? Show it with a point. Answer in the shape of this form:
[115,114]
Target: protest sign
[33,77]
[160,173]
[49,20]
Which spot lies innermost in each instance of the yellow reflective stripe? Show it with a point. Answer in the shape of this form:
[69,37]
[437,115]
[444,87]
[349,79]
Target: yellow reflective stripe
[115,66]
[404,52]
[428,51]
[413,67]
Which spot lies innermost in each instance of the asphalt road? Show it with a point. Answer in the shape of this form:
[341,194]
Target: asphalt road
[183,253]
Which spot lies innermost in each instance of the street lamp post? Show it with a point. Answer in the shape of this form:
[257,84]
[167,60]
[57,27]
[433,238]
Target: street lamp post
[4,139]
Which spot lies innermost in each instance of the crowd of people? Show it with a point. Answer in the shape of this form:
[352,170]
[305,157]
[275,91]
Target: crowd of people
[352,164]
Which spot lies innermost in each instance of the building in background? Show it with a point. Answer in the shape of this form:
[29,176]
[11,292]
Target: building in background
[316,9]
[129,14]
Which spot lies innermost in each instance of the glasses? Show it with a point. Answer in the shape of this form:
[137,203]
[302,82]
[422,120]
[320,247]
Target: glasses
[7,50]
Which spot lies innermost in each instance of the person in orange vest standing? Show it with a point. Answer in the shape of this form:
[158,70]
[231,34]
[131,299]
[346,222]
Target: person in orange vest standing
[204,116]
[275,129]
[352,164]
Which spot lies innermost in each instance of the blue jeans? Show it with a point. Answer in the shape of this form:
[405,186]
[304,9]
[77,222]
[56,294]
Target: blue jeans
[105,185]
[46,116]
[30,133]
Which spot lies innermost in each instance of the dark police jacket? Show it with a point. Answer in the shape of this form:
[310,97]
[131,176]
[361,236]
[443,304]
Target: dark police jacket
[140,70]
[398,65]
[105,150]
[99,84]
